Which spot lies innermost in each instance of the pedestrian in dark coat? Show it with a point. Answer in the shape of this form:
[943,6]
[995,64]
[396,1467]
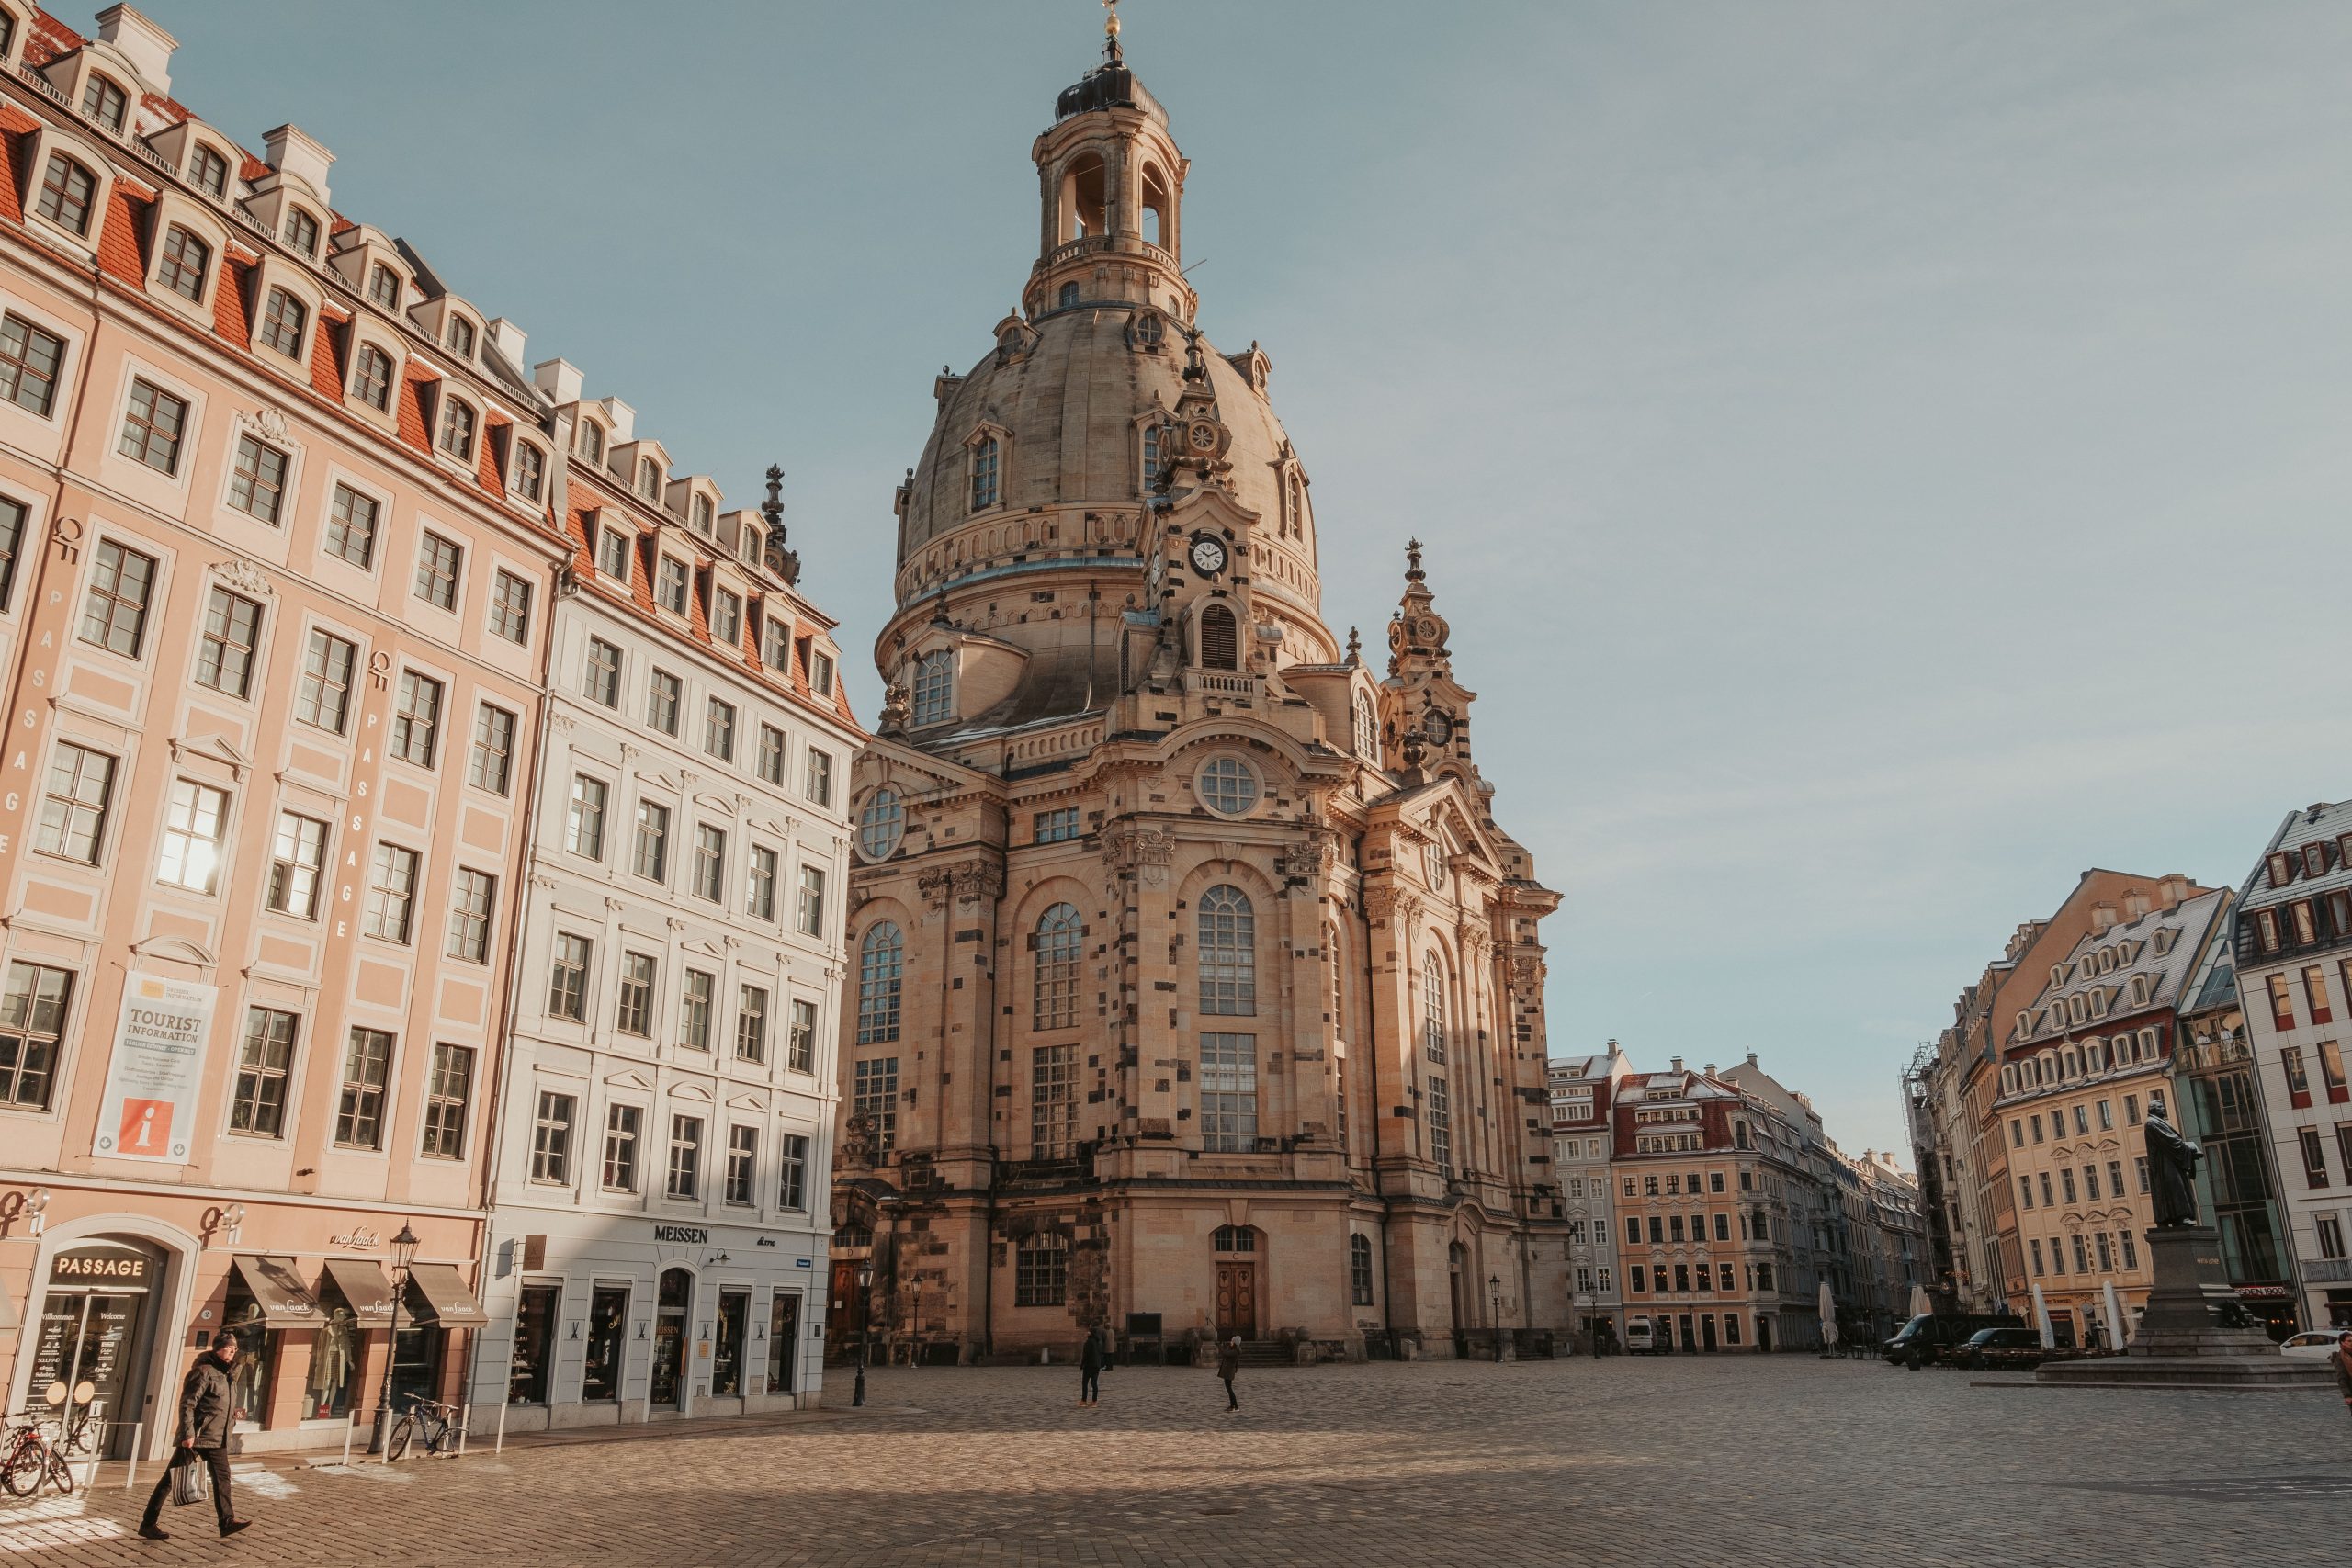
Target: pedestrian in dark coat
[2342,1362]
[1228,1364]
[206,1414]
[1090,1368]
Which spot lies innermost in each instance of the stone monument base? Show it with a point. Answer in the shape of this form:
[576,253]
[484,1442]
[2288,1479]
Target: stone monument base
[2193,1335]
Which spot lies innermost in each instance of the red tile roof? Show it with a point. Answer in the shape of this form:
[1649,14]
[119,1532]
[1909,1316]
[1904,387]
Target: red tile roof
[119,240]
[326,376]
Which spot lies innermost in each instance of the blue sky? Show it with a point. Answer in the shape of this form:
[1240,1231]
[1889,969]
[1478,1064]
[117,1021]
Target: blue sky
[1879,459]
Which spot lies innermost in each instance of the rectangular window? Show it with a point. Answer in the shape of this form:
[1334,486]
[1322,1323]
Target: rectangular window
[2066,1183]
[661,690]
[685,1181]
[2330,1232]
[151,427]
[551,1138]
[351,526]
[874,1094]
[585,827]
[742,1163]
[811,915]
[635,1014]
[1041,1271]
[28,362]
[475,898]
[2082,1123]
[2131,1111]
[1052,826]
[2331,1068]
[693,1010]
[296,857]
[2315,994]
[792,1185]
[568,977]
[670,588]
[2090,1182]
[2282,1003]
[114,607]
[819,785]
[1229,1093]
[821,673]
[718,729]
[2082,1255]
[2115,1178]
[391,894]
[2105,1252]
[711,863]
[726,619]
[264,1061]
[1633,1231]
[224,660]
[2036,1244]
[416,719]
[2025,1191]
[2047,1198]
[2290,1060]
[2037,1127]
[620,1148]
[751,1024]
[323,698]
[359,1112]
[13,514]
[1053,1101]
[612,551]
[257,487]
[510,607]
[75,808]
[603,681]
[2315,1157]
[195,822]
[2107,1116]
[803,1046]
[447,1093]
[651,856]
[759,895]
[492,764]
[772,754]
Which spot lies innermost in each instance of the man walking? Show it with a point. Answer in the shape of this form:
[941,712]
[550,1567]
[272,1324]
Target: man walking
[1229,1364]
[1090,1370]
[205,1416]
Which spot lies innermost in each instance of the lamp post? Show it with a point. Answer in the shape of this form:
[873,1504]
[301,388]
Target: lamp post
[1494,1289]
[864,1327]
[403,1254]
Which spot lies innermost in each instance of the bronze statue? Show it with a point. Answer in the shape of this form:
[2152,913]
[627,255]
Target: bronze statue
[2172,1174]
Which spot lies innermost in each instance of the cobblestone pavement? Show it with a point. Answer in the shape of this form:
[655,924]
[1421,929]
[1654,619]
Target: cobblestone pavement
[1692,1462]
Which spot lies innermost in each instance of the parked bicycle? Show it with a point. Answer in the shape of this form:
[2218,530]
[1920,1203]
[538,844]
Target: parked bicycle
[427,1418]
[27,1458]
[78,1432]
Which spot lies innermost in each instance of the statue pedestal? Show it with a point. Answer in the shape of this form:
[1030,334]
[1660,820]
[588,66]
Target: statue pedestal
[2193,1333]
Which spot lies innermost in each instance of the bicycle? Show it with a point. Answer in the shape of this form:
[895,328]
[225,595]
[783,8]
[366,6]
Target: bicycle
[30,1459]
[435,1421]
[78,1433]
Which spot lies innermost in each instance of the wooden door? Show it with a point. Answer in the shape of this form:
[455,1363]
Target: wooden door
[1236,1300]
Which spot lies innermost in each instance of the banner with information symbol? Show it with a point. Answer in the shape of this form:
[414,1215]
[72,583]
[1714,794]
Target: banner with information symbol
[157,1068]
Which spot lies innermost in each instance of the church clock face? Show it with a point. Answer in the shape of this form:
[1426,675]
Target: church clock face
[1208,555]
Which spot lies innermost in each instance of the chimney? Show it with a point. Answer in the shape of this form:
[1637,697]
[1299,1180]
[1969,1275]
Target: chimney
[2103,918]
[1751,1058]
[2173,891]
[507,338]
[145,45]
[1677,1063]
[1711,1069]
[559,378]
[292,153]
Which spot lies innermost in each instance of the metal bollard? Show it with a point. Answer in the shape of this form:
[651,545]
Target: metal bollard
[350,1421]
[465,1425]
[130,1471]
[501,1447]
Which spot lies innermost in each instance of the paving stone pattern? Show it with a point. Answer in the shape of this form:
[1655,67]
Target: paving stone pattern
[1690,1462]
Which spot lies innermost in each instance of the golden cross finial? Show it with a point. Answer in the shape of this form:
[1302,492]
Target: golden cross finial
[1110,22]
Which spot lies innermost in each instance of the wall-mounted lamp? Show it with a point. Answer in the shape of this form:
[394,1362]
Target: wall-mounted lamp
[235,1218]
[36,1211]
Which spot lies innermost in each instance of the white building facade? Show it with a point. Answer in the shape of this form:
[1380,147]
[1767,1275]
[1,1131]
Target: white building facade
[658,1243]
[1582,1092]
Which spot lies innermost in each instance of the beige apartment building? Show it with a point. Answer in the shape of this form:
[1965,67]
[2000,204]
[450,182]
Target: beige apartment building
[276,557]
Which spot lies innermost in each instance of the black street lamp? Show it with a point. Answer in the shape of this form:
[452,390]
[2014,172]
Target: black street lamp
[864,1327]
[1494,1289]
[403,1254]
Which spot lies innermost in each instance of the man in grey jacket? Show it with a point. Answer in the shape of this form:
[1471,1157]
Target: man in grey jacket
[205,1418]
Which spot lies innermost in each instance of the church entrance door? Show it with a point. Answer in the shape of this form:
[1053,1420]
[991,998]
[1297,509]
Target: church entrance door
[1236,1300]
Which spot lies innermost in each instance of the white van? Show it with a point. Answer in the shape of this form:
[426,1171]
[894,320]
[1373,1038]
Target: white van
[1639,1341]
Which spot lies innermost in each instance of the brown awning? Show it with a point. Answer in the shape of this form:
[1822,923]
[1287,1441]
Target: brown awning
[451,1299]
[363,1284]
[285,1301]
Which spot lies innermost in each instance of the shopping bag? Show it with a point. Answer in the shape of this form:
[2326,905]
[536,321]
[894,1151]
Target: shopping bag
[189,1477]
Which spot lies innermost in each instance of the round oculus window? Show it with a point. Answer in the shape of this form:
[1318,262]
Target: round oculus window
[880,826]
[1226,786]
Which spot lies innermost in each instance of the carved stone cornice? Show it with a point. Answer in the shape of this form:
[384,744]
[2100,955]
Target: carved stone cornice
[967,882]
[1140,848]
[244,577]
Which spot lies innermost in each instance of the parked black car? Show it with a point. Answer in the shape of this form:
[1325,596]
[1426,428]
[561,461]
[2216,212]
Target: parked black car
[1990,1347]
[1935,1336]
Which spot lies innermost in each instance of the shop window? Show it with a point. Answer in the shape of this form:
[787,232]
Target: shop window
[528,1376]
[249,1380]
[599,1378]
[334,1357]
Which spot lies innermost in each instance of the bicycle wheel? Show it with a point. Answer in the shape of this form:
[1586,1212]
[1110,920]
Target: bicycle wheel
[61,1474]
[396,1447]
[21,1474]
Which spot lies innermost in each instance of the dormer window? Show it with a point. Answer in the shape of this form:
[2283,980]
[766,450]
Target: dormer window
[208,172]
[821,673]
[612,553]
[591,441]
[371,377]
[726,617]
[530,470]
[702,517]
[2282,869]
[458,421]
[2314,859]
[649,478]
[1367,730]
[934,688]
[748,546]
[670,590]
[2306,922]
[2266,929]
[184,262]
[104,100]
[776,636]
[2139,990]
[301,231]
[282,322]
[66,191]
[2025,1024]
[460,340]
[384,287]
[985,458]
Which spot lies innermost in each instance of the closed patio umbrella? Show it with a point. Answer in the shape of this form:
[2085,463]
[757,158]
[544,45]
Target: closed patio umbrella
[2114,1318]
[2042,1320]
[1920,1305]
[1828,1317]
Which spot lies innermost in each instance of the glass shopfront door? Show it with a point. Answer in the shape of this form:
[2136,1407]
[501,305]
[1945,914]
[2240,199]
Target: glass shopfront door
[727,1343]
[95,1328]
[608,1341]
[784,1340]
[535,1318]
[676,1297]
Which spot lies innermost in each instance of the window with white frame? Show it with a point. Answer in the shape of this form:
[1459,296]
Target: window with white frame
[196,825]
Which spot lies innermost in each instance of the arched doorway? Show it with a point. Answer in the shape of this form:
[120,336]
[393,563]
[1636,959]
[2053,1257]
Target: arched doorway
[674,1301]
[1236,1282]
[100,1323]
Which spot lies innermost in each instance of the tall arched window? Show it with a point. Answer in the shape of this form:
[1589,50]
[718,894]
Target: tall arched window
[881,966]
[1152,454]
[934,693]
[1220,640]
[1229,951]
[1155,206]
[591,441]
[1359,1269]
[648,478]
[1367,730]
[1298,508]
[985,457]
[1434,1007]
[1059,935]
[1085,192]
[702,515]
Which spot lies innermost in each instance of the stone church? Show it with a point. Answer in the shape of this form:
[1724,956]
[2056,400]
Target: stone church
[1194,987]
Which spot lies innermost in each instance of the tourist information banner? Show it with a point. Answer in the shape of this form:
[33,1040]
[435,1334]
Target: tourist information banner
[149,1112]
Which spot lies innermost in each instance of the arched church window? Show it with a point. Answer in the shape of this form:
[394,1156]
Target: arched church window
[1228,952]
[1059,935]
[1151,435]
[1085,198]
[934,688]
[881,825]
[1068,296]
[1433,1009]
[881,969]
[1359,1269]
[985,457]
[1367,731]
[1234,1238]
[1220,639]
[1298,508]
[1155,206]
